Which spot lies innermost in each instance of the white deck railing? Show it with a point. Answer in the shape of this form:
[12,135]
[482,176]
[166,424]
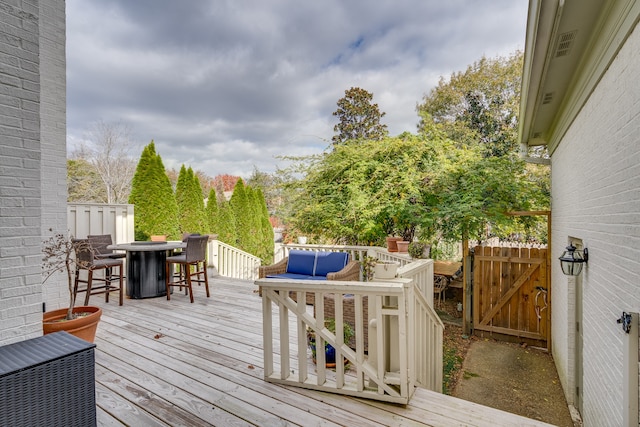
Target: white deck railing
[232,262]
[404,334]
[421,271]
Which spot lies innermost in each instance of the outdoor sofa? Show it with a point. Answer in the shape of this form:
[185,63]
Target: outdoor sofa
[313,265]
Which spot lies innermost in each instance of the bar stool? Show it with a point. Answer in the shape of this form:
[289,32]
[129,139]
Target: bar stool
[194,255]
[86,260]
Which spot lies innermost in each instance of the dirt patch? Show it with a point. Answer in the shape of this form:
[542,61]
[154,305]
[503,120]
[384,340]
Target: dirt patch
[514,378]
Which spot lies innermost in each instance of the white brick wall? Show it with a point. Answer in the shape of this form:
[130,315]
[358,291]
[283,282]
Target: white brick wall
[54,135]
[27,66]
[20,306]
[596,198]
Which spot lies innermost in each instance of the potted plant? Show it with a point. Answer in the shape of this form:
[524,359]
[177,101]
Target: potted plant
[329,351]
[58,257]
[419,250]
[368,264]
[392,245]
[385,269]
[403,246]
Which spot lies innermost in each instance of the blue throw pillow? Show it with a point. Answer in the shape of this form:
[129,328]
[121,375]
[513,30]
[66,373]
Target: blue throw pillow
[330,262]
[301,262]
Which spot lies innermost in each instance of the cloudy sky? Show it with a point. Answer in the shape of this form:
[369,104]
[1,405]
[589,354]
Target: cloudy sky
[226,86]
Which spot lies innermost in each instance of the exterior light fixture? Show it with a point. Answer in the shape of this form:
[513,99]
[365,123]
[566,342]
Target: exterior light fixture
[572,259]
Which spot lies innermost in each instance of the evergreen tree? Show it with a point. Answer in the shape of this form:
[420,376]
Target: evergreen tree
[156,210]
[213,212]
[226,224]
[181,195]
[241,212]
[359,118]
[190,202]
[255,223]
[267,230]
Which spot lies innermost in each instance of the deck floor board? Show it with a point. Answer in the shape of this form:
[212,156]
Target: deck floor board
[162,362]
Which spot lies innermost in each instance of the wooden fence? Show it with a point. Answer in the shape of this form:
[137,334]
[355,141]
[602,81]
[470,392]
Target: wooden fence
[511,295]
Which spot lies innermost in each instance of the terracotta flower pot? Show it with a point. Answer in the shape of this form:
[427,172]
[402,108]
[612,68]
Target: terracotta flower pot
[391,243]
[82,327]
[403,246]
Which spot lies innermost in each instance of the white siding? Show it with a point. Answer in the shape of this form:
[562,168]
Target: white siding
[596,198]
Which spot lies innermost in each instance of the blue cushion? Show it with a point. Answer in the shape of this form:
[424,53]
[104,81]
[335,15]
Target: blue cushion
[292,276]
[330,262]
[316,277]
[301,262]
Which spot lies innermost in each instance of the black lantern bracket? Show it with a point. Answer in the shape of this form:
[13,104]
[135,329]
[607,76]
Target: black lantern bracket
[572,260]
[625,319]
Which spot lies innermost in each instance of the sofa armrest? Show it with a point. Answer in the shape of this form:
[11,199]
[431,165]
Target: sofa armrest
[279,267]
[351,272]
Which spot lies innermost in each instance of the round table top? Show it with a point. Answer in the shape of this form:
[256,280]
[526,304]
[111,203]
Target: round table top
[149,246]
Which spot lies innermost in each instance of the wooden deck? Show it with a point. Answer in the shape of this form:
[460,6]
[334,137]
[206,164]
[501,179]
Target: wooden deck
[162,362]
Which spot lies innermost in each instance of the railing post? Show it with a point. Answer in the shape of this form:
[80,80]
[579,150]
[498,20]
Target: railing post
[213,254]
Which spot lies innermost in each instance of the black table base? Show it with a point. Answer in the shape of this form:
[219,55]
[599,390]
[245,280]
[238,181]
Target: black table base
[146,274]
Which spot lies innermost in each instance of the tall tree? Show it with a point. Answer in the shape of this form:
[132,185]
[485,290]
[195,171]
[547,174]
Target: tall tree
[359,193]
[359,118]
[479,105]
[227,229]
[255,213]
[106,148]
[241,212]
[190,202]
[156,210]
[269,185]
[83,182]
[267,230]
[213,212]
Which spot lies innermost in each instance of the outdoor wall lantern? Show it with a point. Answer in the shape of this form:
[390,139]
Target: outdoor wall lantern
[572,259]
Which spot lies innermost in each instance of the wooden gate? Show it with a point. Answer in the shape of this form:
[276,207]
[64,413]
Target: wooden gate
[511,295]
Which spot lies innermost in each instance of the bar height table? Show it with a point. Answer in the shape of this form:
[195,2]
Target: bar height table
[146,277]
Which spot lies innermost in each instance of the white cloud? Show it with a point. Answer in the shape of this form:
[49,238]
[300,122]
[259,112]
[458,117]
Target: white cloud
[226,86]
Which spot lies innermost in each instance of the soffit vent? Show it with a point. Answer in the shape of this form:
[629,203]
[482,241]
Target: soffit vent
[565,43]
[547,98]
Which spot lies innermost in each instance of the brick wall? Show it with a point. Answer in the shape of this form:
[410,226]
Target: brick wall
[24,121]
[53,130]
[596,198]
